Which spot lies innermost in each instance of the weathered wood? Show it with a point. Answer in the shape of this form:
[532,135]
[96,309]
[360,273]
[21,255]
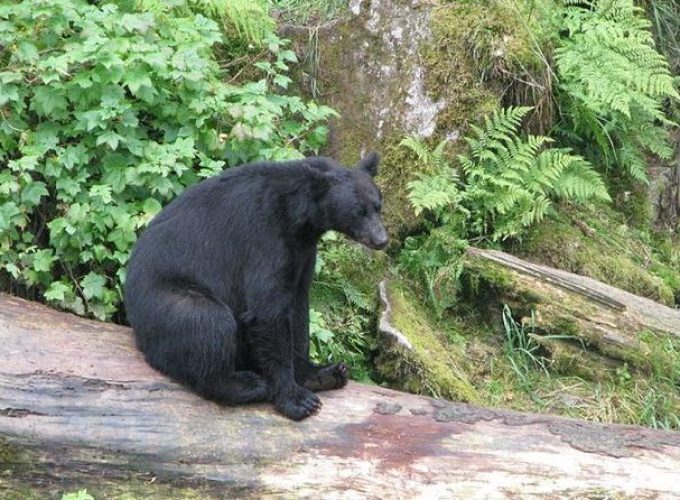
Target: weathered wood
[609,321]
[78,402]
[644,311]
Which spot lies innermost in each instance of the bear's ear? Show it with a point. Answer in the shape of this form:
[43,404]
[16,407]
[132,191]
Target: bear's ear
[369,164]
[319,176]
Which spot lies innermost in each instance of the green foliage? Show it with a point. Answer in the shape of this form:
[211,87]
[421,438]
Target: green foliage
[435,190]
[614,83]
[109,113]
[521,348]
[511,180]
[78,495]
[246,19]
[665,18]
[320,337]
[435,258]
[343,305]
[304,11]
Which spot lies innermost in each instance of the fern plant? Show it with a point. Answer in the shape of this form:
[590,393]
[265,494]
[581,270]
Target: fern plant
[435,258]
[614,83]
[512,180]
[510,183]
[436,189]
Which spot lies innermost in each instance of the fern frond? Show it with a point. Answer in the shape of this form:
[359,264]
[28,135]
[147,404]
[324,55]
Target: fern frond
[615,80]
[417,146]
[512,179]
[433,192]
[437,190]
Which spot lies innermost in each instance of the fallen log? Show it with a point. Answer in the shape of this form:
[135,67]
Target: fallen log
[80,408]
[576,316]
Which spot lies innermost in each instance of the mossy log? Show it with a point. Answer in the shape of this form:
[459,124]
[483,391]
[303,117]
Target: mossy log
[414,354]
[576,315]
[80,408]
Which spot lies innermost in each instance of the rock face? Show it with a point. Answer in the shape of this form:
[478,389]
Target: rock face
[397,68]
[367,65]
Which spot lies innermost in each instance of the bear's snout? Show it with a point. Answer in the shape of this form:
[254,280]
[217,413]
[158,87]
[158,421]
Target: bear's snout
[377,238]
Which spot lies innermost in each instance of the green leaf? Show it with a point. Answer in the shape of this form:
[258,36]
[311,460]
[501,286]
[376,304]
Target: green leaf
[8,92]
[32,193]
[137,22]
[323,335]
[282,81]
[58,291]
[8,183]
[73,155]
[10,77]
[93,285]
[288,55]
[27,52]
[47,100]
[42,260]
[8,212]
[110,138]
[24,164]
[151,206]
[89,120]
[101,191]
[136,79]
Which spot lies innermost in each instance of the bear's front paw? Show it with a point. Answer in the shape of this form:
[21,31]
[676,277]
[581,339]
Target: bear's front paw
[328,378]
[339,374]
[301,404]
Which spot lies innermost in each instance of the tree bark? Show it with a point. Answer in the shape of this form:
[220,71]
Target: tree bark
[78,406]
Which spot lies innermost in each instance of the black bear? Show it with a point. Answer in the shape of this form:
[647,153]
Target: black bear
[217,289]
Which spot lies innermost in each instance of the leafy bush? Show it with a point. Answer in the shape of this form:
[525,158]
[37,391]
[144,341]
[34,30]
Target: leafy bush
[614,83]
[107,113]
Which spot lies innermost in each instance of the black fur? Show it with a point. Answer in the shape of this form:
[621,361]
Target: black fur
[217,289]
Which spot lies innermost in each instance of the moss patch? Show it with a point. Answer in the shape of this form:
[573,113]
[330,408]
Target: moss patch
[434,365]
[481,54]
[597,242]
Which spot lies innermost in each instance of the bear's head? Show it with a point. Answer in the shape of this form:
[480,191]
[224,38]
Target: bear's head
[352,203]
